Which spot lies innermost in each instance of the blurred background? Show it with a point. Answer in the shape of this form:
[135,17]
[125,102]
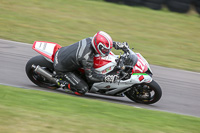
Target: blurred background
[166,32]
[180,6]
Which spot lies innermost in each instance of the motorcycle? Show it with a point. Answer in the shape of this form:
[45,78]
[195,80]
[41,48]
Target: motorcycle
[135,75]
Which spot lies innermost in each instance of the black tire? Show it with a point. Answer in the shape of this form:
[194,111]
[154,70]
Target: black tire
[137,91]
[36,78]
[114,1]
[177,6]
[197,2]
[194,1]
[183,1]
[155,1]
[154,6]
[198,9]
[134,2]
[197,5]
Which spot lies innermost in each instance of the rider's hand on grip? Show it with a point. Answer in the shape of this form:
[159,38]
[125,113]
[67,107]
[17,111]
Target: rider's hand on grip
[119,45]
[111,78]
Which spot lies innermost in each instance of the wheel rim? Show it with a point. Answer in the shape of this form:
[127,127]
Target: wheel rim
[142,93]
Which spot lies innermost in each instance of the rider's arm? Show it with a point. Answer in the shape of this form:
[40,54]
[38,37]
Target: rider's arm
[89,72]
[94,77]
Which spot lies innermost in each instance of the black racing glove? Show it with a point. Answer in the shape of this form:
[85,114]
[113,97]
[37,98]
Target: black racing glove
[111,78]
[119,45]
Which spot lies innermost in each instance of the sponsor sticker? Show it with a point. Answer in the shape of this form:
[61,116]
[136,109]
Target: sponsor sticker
[141,78]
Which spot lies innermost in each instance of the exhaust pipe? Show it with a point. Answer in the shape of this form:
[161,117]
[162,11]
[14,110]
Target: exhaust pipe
[44,73]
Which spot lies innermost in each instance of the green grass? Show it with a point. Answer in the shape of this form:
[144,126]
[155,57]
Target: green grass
[164,38]
[31,111]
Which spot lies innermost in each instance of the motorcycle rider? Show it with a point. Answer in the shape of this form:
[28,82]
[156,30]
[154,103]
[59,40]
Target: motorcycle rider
[80,55]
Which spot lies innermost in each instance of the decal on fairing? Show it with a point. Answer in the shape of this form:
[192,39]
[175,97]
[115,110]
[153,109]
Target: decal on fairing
[140,66]
[106,70]
[108,86]
[141,78]
[103,65]
[100,62]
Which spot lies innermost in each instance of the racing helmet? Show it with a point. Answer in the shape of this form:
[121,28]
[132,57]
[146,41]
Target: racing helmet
[102,43]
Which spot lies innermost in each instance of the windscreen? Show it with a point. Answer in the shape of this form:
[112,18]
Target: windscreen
[131,59]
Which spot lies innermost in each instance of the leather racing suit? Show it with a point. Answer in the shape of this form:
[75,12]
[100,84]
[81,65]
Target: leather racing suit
[78,55]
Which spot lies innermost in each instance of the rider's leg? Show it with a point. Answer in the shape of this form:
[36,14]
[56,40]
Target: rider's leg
[76,84]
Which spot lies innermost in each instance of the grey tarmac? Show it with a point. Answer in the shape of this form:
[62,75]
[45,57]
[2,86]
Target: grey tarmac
[181,89]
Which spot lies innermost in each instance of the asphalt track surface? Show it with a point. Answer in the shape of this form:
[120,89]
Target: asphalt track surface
[181,89]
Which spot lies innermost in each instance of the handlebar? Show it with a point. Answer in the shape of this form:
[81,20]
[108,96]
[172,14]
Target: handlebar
[120,66]
[126,61]
[123,46]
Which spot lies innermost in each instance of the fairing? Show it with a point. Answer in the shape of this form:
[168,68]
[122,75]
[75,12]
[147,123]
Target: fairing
[121,85]
[141,66]
[47,49]
[104,65]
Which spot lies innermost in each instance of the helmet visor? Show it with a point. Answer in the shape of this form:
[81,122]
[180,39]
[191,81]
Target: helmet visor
[104,50]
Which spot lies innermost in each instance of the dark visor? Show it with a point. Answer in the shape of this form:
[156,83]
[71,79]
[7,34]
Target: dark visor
[104,50]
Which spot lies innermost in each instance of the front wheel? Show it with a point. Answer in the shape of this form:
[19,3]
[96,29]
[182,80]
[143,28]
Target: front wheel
[146,93]
[37,78]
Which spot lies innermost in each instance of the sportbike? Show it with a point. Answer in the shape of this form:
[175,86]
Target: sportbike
[135,76]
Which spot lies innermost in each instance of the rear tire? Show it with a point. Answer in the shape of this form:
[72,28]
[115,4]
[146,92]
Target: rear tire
[154,6]
[146,93]
[178,6]
[197,5]
[36,78]
[134,2]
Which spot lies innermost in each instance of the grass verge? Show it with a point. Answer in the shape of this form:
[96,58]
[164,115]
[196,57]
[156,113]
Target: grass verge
[30,111]
[164,38]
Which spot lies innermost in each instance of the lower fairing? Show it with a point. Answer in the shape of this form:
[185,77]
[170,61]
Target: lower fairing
[120,85]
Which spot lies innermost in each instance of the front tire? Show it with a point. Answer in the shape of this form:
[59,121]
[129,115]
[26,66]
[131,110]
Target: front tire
[36,78]
[146,93]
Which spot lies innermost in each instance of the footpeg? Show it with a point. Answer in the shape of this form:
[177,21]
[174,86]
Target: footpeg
[62,83]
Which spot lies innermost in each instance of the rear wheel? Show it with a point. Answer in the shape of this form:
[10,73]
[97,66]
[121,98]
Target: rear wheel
[37,78]
[146,93]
